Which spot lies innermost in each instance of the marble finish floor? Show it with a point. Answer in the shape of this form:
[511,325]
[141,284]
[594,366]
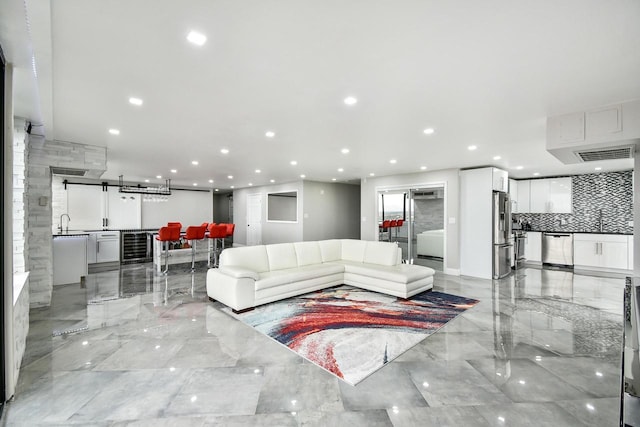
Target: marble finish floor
[131,348]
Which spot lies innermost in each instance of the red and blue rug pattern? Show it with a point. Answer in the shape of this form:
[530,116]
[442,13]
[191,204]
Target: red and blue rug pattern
[352,332]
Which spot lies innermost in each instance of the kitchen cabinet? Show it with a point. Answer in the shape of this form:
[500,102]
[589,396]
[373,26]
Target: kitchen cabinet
[550,195]
[602,251]
[522,196]
[94,207]
[103,246]
[513,195]
[533,247]
[500,180]
[69,259]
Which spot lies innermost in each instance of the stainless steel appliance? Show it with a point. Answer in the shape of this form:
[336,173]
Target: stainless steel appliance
[519,239]
[136,246]
[557,249]
[502,238]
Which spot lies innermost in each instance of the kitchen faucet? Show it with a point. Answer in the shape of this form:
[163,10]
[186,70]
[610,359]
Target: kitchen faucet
[68,220]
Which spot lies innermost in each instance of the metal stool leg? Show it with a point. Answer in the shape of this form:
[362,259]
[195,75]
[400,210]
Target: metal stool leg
[166,258]
[193,256]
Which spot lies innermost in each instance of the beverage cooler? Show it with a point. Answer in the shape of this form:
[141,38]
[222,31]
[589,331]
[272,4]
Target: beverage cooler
[136,246]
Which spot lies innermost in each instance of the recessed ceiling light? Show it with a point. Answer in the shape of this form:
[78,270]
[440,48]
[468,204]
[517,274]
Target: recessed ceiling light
[471,147]
[272,181]
[195,184]
[159,176]
[194,163]
[496,157]
[536,173]
[230,176]
[519,167]
[345,151]
[135,101]
[224,151]
[232,187]
[258,171]
[393,161]
[372,174]
[423,168]
[174,171]
[293,162]
[350,100]
[114,131]
[269,134]
[429,131]
[598,168]
[334,179]
[217,189]
[250,184]
[210,181]
[196,38]
[340,170]
[303,176]
[146,180]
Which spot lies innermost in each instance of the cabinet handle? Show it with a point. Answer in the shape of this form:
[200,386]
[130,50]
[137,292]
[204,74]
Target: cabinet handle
[98,246]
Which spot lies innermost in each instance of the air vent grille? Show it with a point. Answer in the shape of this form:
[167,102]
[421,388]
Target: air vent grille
[606,154]
[68,171]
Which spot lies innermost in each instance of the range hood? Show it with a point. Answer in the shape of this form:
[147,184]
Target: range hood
[606,133]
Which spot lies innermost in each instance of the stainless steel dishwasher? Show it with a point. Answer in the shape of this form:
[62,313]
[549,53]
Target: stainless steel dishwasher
[557,248]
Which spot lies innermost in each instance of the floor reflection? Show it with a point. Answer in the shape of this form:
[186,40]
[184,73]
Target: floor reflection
[541,348]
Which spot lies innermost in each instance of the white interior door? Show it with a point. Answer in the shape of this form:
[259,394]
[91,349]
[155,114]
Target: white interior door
[85,207]
[123,209]
[254,219]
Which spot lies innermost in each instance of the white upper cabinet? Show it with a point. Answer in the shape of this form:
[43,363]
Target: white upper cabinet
[500,180]
[513,194]
[522,200]
[552,195]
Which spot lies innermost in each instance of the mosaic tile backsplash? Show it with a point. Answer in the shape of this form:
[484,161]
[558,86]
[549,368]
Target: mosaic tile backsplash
[610,193]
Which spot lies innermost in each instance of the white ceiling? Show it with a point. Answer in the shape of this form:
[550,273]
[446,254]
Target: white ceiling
[481,73]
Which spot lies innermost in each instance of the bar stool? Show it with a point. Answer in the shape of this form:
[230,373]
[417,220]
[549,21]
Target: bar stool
[168,235]
[175,224]
[216,232]
[194,233]
[394,224]
[384,227]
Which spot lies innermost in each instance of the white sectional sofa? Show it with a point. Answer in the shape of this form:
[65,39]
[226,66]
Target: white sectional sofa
[253,275]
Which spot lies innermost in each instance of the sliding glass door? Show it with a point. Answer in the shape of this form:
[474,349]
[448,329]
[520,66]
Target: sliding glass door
[2,233]
[414,219]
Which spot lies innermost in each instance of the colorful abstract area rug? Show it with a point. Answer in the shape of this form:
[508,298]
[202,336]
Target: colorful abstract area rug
[352,332]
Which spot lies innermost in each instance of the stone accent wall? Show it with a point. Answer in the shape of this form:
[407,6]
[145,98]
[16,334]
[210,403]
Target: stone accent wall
[19,224]
[41,156]
[610,193]
[20,327]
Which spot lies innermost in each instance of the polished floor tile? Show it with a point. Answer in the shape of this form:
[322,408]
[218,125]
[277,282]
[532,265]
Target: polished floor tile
[133,348]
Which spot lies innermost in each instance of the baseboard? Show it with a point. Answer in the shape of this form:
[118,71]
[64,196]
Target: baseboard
[452,271]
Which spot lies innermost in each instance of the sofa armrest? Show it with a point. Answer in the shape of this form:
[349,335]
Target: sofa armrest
[239,272]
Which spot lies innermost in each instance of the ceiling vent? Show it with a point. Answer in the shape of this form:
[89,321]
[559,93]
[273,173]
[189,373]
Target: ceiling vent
[68,171]
[599,155]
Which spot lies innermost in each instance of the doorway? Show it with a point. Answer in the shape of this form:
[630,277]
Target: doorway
[414,218]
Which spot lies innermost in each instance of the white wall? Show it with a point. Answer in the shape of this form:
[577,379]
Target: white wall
[185,206]
[272,232]
[448,177]
[331,211]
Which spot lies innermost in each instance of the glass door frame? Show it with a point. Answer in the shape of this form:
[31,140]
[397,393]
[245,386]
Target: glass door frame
[408,189]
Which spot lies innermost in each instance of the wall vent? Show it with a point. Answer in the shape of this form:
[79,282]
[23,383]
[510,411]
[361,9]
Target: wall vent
[68,171]
[606,154]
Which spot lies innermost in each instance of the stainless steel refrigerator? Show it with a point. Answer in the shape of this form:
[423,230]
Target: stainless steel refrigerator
[502,237]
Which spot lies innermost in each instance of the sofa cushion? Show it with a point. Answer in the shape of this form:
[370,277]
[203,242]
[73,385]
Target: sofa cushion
[353,250]
[382,253]
[331,250]
[270,279]
[252,257]
[308,253]
[401,273]
[282,256]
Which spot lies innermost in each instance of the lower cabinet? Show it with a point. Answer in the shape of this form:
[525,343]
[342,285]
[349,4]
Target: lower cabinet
[606,251]
[103,246]
[533,247]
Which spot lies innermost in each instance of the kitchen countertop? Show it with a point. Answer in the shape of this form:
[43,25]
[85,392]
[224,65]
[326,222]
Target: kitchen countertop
[581,232]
